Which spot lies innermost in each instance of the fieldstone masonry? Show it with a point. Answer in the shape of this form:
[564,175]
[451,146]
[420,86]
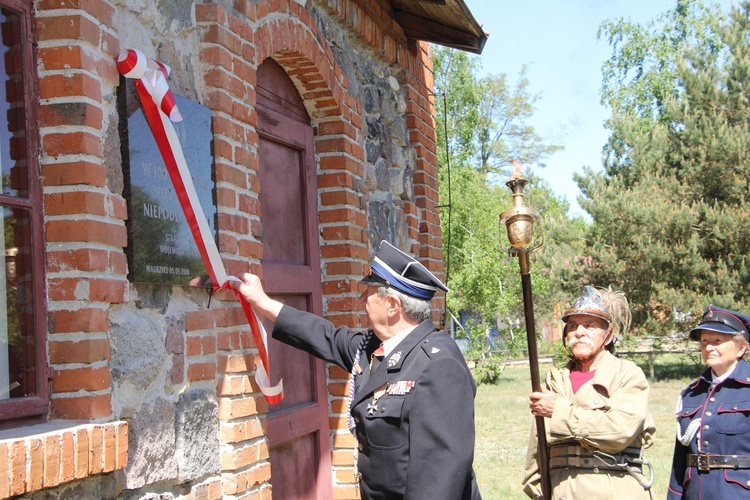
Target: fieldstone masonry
[390,159]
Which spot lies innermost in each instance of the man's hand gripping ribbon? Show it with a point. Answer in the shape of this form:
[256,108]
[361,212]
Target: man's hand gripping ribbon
[160,110]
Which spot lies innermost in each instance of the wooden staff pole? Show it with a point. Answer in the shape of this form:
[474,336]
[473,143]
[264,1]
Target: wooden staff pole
[519,222]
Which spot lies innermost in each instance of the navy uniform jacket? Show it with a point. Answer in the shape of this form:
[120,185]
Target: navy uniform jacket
[418,443]
[724,413]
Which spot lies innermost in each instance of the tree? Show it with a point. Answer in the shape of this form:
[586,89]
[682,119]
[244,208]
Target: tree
[671,215]
[562,256]
[502,134]
[641,74]
[481,128]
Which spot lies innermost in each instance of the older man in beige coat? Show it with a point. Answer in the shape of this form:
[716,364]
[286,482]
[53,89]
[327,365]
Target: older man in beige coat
[596,410]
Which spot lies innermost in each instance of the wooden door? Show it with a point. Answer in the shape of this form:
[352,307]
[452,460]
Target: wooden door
[298,430]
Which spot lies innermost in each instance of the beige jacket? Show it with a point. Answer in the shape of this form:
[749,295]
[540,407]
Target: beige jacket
[609,414]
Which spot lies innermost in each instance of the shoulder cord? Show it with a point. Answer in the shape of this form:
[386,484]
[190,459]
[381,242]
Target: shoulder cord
[692,428]
[350,397]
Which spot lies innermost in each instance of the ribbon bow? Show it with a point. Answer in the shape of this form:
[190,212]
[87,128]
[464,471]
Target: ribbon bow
[160,110]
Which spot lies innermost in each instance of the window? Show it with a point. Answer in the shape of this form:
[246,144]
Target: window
[23,381]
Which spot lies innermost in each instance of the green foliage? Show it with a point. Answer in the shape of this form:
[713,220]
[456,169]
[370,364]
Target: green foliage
[560,355]
[671,215]
[484,120]
[475,330]
[481,128]
[641,75]
[488,372]
[561,258]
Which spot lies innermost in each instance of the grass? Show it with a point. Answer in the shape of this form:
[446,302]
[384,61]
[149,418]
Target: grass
[503,421]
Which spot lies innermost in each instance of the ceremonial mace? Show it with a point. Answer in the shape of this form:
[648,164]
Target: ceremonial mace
[519,221]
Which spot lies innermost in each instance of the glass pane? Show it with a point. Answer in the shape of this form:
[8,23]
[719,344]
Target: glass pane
[17,346]
[12,116]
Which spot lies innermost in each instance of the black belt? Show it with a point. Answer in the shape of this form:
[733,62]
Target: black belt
[705,461]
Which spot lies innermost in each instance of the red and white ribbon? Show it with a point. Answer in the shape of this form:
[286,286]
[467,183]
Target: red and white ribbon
[160,110]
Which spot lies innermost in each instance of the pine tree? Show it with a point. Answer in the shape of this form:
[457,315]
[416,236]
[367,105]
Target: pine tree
[671,213]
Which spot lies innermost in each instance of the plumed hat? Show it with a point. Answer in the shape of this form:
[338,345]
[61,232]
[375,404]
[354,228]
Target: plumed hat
[717,319]
[392,267]
[610,305]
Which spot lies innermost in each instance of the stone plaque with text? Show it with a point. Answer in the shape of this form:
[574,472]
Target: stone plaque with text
[161,247]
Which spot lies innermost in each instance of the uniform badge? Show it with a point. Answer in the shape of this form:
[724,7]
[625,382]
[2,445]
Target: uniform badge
[394,359]
[400,388]
[435,350]
[372,408]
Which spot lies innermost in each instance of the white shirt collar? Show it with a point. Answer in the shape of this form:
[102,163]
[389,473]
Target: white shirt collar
[717,380]
[390,344]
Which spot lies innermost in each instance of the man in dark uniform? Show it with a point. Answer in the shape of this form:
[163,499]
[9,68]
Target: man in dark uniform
[412,406]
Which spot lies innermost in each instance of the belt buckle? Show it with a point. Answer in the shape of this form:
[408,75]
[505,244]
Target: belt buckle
[703,464]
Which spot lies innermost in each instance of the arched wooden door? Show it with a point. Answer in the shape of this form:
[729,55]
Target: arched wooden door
[298,430]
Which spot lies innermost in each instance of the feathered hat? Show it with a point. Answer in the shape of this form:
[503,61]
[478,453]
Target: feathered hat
[610,305]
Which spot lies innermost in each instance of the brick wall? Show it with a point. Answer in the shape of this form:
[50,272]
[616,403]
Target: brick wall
[85,215]
[86,266]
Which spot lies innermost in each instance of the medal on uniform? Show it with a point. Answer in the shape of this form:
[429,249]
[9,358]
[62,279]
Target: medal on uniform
[372,407]
[400,388]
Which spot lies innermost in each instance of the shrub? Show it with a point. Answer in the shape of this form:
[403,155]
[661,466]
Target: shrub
[487,372]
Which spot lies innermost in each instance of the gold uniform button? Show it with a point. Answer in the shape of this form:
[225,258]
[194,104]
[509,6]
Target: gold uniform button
[361,447]
[356,419]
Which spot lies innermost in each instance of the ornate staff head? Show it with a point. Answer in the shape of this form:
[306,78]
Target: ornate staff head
[519,219]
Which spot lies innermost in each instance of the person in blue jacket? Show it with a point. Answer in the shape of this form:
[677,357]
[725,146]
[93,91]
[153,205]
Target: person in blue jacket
[411,399]
[712,449]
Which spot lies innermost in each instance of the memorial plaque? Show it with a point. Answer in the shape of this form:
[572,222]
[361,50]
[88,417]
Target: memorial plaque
[161,246]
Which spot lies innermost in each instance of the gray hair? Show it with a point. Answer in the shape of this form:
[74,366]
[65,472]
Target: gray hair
[740,341]
[414,309]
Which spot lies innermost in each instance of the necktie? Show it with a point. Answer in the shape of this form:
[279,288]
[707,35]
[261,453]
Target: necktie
[376,358]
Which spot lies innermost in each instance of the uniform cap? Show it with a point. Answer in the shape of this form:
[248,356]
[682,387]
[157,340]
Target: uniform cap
[717,319]
[392,267]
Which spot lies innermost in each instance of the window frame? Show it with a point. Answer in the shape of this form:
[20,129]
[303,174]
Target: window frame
[32,409]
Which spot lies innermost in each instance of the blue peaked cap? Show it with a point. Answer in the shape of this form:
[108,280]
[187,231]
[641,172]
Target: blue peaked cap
[717,319]
[392,267]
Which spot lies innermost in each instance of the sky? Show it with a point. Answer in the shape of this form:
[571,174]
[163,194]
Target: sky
[557,42]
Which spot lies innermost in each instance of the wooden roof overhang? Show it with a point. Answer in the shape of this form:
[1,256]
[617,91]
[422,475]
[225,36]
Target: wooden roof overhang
[444,22]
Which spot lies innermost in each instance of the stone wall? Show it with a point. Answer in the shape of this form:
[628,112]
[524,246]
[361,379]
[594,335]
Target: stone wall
[151,391]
